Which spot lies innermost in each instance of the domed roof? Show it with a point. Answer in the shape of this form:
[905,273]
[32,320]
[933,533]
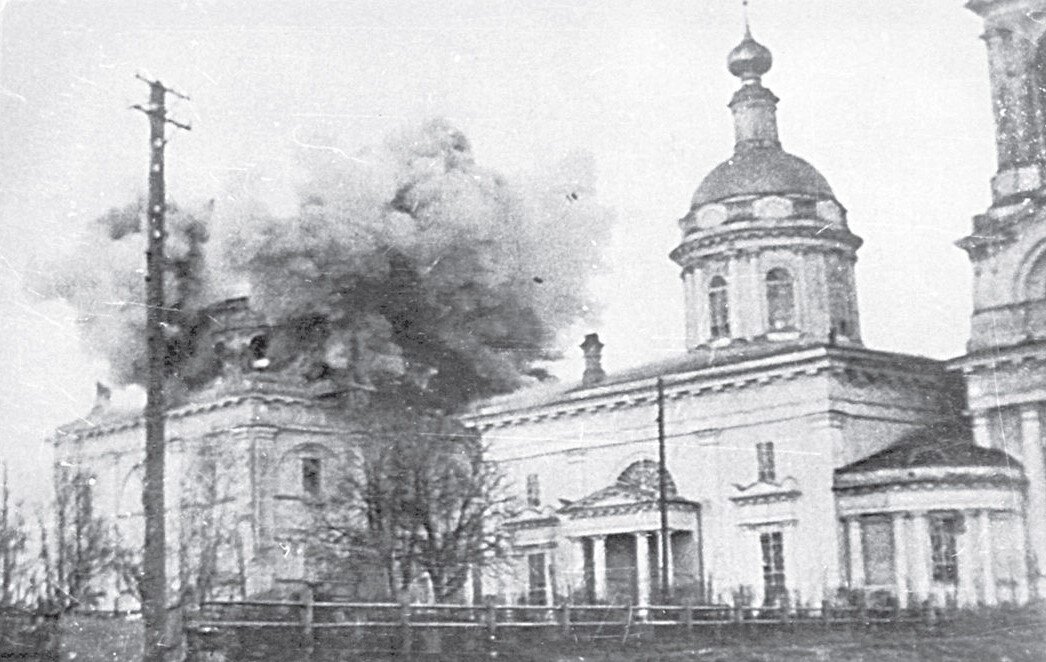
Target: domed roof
[761,171]
[944,444]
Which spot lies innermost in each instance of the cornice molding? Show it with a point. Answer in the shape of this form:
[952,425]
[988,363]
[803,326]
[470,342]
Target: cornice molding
[886,368]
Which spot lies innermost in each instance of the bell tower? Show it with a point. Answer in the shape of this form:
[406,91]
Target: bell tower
[1005,364]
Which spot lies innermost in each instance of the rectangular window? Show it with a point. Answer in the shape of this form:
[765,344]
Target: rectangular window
[944,531]
[765,455]
[311,476]
[877,550]
[772,545]
[533,490]
[536,579]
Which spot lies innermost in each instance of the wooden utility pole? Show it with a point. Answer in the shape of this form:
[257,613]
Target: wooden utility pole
[154,555]
[662,488]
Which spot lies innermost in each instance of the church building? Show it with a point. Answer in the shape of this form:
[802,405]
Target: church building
[802,465]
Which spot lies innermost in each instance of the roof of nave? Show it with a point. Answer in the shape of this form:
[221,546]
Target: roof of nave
[221,394]
[744,360]
[947,443]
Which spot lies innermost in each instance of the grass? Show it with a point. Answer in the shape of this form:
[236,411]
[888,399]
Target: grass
[1018,636]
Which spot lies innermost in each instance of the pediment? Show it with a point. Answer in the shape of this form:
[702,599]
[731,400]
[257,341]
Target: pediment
[766,492]
[618,494]
[532,517]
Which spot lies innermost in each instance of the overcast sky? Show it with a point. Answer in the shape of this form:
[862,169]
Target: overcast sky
[887,98]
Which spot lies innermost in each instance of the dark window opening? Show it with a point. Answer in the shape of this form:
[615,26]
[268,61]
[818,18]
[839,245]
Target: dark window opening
[536,594]
[256,352]
[780,298]
[772,545]
[533,490]
[311,482]
[944,530]
[765,457]
[719,307]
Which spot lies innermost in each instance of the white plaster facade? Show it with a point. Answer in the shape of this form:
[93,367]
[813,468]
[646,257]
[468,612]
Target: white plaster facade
[237,454]
[881,482]
[846,496]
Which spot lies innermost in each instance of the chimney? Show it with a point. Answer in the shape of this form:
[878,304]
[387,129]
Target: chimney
[102,396]
[593,350]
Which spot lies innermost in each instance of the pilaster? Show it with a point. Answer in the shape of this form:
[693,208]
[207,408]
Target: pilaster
[900,558]
[856,547]
[986,558]
[919,555]
[967,561]
[599,567]
[1035,472]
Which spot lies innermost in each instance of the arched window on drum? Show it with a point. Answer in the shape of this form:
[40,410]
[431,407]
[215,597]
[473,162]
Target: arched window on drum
[780,299]
[1035,280]
[718,308]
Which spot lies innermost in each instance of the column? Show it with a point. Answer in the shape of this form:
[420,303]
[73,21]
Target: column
[668,568]
[599,567]
[986,558]
[550,593]
[1034,471]
[855,540]
[1021,576]
[919,555]
[900,558]
[671,564]
[967,561]
[642,569]
[572,572]
[981,431]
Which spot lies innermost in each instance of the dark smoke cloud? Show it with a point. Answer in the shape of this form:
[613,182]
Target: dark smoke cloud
[103,278]
[407,266]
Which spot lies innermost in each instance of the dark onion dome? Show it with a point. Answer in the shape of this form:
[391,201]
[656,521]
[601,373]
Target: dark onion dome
[759,171]
[749,59]
[946,444]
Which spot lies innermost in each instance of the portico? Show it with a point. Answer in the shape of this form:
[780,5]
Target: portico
[608,544]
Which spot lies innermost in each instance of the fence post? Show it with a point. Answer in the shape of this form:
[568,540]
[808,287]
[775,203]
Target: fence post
[628,623]
[929,611]
[564,618]
[862,609]
[307,617]
[492,620]
[688,616]
[826,613]
[406,638]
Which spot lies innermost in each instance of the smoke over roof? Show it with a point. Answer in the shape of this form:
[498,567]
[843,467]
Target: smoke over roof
[406,264]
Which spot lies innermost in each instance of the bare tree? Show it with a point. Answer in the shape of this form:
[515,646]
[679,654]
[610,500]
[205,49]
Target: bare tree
[17,571]
[84,548]
[208,543]
[419,499]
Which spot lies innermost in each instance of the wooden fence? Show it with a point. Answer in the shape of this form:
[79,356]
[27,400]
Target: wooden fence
[316,630]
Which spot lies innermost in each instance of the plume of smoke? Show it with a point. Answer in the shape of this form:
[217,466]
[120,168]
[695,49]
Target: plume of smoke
[431,270]
[407,266]
[103,279]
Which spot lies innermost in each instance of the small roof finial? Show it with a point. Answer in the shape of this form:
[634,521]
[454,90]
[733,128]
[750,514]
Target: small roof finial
[750,59]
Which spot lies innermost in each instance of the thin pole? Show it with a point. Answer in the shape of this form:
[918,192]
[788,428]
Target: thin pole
[154,555]
[662,487]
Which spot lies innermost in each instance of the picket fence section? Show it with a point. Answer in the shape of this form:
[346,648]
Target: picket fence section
[400,627]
